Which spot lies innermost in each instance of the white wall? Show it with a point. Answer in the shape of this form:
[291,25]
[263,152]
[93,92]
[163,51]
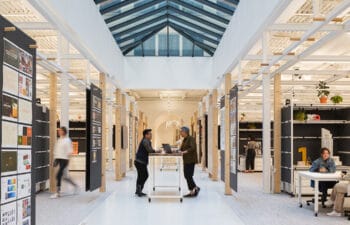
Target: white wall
[167,73]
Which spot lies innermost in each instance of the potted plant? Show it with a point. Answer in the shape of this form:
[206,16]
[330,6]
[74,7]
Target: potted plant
[300,115]
[336,99]
[322,91]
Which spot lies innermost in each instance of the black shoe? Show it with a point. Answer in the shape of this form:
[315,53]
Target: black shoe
[189,195]
[197,191]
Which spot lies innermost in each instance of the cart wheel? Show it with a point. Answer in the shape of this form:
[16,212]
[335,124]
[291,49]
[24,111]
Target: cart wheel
[149,200]
[316,214]
[181,200]
[300,205]
[154,188]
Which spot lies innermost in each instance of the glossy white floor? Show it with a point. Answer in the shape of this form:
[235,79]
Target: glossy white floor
[119,206]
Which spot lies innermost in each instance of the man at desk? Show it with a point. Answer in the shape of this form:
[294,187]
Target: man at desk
[189,151]
[141,161]
[324,164]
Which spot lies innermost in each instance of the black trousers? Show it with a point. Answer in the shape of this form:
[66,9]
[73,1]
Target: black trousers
[250,159]
[188,173]
[62,163]
[142,174]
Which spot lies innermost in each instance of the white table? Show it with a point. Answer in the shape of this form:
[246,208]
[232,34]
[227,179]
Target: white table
[317,177]
[152,185]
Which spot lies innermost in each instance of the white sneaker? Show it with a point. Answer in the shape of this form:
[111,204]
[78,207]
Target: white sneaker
[54,196]
[329,203]
[334,213]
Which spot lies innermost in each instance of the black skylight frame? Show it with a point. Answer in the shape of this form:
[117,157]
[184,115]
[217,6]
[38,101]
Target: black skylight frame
[133,22]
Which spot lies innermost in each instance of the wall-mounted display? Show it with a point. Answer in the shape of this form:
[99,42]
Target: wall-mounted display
[8,189]
[94,137]
[17,92]
[25,87]
[24,162]
[10,80]
[24,136]
[8,162]
[9,107]
[24,185]
[23,211]
[25,111]
[9,134]
[234,137]
[9,214]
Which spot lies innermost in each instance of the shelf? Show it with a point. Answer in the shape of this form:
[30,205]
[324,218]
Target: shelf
[322,106]
[251,130]
[322,122]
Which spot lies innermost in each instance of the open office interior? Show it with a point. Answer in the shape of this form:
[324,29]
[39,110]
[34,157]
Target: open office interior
[175,112]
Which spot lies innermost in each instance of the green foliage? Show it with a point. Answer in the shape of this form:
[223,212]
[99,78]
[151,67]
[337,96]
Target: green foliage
[322,89]
[336,99]
[300,115]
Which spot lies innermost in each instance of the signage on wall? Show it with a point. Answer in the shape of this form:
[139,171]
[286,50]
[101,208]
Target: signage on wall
[17,74]
[94,138]
[234,137]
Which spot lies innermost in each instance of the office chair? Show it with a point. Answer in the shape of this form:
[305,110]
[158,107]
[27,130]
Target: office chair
[323,188]
[347,206]
[322,200]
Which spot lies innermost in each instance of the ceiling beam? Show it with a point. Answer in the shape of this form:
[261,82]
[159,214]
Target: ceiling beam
[201,11]
[99,1]
[132,11]
[195,26]
[196,18]
[127,49]
[196,35]
[141,33]
[139,26]
[216,6]
[303,27]
[34,26]
[205,47]
[311,58]
[115,5]
[137,19]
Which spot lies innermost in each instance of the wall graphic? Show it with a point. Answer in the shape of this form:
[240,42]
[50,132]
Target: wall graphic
[17,76]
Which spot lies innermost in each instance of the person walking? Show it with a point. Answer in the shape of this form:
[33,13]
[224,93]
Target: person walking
[63,150]
[189,151]
[141,161]
[250,155]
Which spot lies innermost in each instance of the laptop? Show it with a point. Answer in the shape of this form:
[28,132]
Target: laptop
[167,148]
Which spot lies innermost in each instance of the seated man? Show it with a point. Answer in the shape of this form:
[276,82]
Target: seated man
[337,197]
[324,164]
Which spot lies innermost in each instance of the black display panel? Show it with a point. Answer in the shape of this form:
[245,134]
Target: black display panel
[234,144]
[94,138]
[17,90]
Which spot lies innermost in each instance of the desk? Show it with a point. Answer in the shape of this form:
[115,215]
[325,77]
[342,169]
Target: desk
[152,186]
[317,177]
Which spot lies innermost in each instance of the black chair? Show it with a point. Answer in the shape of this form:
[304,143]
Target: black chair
[323,189]
[322,200]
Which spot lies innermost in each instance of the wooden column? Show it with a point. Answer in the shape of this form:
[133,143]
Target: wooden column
[140,128]
[228,190]
[277,133]
[118,165]
[104,132]
[215,146]
[204,140]
[53,128]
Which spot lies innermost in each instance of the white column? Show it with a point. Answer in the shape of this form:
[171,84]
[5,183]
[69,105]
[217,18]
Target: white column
[63,50]
[266,119]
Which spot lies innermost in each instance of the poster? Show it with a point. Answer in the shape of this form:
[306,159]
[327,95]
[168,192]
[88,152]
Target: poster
[24,139]
[25,62]
[25,111]
[24,161]
[9,107]
[8,162]
[9,214]
[24,211]
[8,189]
[10,80]
[24,185]
[9,134]
[222,129]
[11,54]
[25,87]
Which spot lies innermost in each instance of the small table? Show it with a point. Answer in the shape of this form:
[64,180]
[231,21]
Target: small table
[152,184]
[317,177]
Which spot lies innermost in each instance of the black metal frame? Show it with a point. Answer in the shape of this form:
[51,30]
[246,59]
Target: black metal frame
[202,27]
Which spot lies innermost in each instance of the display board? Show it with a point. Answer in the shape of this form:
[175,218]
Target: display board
[234,137]
[222,137]
[17,87]
[94,137]
[41,143]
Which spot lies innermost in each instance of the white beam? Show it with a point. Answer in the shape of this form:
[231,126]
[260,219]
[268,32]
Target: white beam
[34,25]
[311,58]
[303,27]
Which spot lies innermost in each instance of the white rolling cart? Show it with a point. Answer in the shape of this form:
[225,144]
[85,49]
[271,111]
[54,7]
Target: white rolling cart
[153,186]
